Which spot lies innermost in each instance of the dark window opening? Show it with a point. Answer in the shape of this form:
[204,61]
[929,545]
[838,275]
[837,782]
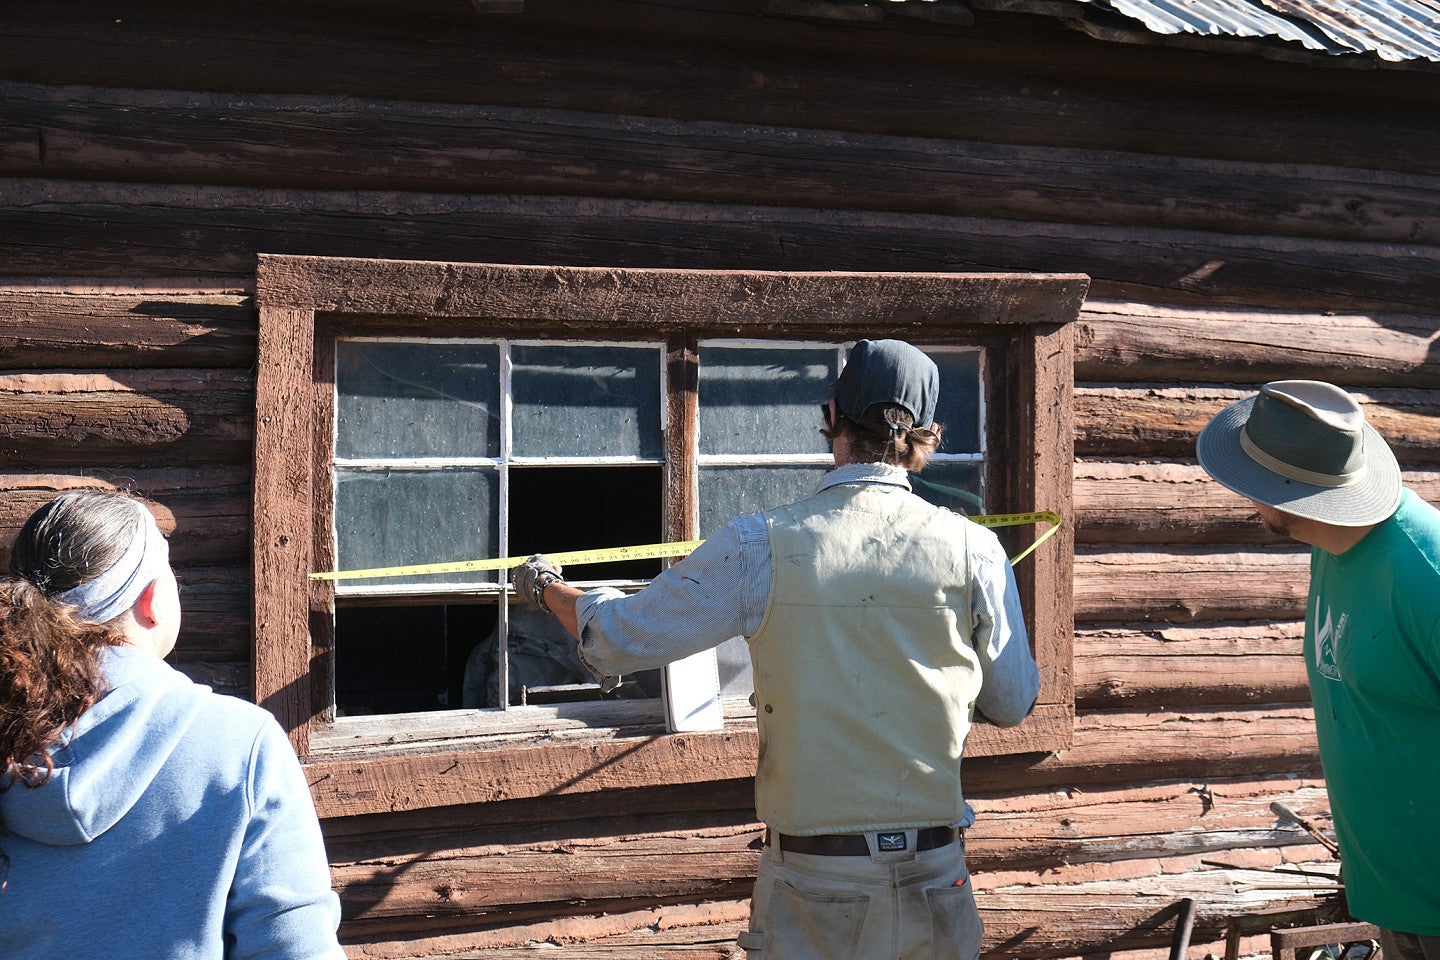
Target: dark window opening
[421,657]
[405,659]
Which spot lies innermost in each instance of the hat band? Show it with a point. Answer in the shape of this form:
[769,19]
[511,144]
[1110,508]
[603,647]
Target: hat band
[1292,472]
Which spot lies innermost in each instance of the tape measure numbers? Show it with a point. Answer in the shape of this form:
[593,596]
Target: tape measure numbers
[649,551]
[1017,519]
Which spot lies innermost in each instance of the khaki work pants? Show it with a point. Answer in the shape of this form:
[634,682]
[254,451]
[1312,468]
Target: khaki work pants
[888,906]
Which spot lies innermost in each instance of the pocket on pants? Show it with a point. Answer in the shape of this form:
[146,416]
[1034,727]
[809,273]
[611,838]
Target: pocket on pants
[955,923]
[807,926]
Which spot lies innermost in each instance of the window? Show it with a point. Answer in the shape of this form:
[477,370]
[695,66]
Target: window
[414,413]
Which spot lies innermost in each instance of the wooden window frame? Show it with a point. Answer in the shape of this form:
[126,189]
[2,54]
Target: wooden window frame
[1022,319]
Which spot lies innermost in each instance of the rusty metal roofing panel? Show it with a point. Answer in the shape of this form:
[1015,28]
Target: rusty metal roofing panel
[1218,18]
[1391,29]
[1394,30]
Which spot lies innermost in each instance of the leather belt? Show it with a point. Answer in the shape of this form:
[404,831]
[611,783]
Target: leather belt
[855,844]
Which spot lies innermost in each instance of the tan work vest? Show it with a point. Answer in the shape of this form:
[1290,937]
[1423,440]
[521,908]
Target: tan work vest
[865,676]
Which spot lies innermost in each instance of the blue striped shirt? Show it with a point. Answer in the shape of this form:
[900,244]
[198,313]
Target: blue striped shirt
[721,591]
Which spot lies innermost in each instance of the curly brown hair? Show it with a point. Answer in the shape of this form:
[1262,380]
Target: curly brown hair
[50,660]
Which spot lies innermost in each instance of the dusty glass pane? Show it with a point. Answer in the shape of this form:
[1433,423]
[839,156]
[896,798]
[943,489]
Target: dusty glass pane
[586,401]
[417,399]
[726,492]
[391,518]
[959,405]
[763,399]
[955,486]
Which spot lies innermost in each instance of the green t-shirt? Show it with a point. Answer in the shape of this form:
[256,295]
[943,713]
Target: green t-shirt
[1372,651]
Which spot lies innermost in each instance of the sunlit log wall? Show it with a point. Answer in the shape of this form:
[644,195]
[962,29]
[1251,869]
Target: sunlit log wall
[1242,219]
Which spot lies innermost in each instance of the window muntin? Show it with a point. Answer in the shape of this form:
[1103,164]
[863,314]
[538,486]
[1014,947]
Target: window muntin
[760,446]
[384,763]
[455,449]
[460,449]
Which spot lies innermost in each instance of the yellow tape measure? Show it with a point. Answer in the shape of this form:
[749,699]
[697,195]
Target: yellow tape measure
[648,551]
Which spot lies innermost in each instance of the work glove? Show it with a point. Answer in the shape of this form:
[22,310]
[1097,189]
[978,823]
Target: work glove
[532,577]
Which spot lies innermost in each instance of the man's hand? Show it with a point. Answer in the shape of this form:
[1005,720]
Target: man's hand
[532,577]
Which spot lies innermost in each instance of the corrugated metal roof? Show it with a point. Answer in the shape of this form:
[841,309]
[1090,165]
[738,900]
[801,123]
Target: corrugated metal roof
[1393,30]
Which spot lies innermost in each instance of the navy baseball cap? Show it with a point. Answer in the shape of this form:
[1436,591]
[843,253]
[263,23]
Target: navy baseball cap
[887,371]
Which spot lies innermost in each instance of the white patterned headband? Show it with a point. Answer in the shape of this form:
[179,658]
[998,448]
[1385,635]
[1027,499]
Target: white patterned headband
[103,598]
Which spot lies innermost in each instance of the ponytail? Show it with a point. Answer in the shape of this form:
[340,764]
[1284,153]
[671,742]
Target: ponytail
[49,656]
[49,676]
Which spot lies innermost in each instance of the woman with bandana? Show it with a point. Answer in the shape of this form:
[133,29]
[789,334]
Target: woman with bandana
[141,814]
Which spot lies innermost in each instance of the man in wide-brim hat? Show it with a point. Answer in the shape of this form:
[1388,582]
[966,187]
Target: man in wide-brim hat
[1301,451]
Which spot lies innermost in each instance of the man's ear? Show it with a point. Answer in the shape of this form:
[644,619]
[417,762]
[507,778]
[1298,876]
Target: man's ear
[145,606]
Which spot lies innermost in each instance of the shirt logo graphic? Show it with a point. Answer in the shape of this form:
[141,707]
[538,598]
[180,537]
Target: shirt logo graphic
[888,842]
[1326,642]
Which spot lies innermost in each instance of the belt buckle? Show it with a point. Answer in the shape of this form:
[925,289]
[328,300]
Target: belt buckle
[889,842]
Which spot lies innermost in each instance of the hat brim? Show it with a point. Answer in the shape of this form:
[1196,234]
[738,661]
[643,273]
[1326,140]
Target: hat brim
[1369,500]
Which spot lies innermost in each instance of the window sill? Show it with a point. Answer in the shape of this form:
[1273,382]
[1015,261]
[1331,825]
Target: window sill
[387,764]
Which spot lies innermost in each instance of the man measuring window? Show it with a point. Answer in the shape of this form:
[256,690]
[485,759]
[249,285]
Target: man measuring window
[878,626]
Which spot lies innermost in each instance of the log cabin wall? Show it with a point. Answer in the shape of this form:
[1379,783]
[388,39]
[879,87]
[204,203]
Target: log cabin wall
[1242,219]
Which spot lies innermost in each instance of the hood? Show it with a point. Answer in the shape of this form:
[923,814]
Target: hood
[110,756]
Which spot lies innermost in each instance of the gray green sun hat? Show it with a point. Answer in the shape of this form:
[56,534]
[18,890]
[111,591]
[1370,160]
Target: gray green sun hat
[1303,447]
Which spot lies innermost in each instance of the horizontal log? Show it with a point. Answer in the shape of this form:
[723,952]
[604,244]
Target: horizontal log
[1163,421]
[53,327]
[1139,342]
[1021,80]
[216,609]
[1174,835]
[126,418]
[449,297]
[1143,502]
[1118,746]
[703,931]
[1185,585]
[203,511]
[1167,666]
[1109,746]
[246,140]
[219,231]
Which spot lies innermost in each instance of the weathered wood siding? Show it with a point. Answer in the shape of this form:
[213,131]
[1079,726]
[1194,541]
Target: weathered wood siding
[1242,220]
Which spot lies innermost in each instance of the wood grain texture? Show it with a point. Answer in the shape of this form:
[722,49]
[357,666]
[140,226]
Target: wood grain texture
[281,519]
[41,328]
[1163,420]
[1121,341]
[1021,80]
[311,142]
[219,231]
[131,418]
[1150,502]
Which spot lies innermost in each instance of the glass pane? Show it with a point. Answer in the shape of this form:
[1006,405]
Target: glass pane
[763,399]
[417,399]
[586,401]
[392,518]
[727,492]
[955,486]
[959,405]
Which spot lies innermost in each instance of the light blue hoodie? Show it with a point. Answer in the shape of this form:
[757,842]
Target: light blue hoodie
[177,824]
